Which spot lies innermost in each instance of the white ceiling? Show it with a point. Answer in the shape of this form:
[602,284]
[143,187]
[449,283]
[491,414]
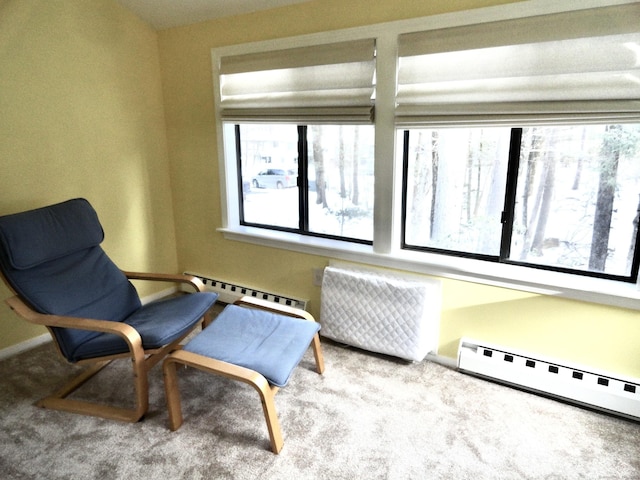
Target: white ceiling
[174,13]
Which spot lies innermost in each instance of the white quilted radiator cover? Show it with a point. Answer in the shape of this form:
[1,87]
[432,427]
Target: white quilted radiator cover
[380,311]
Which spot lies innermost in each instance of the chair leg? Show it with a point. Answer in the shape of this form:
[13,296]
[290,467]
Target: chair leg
[59,400]
[80,380]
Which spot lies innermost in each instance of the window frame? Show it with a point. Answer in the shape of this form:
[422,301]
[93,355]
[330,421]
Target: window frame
[386,251]
[507,220]
[303,191]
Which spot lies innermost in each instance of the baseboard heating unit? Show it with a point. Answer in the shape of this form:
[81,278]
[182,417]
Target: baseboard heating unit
[572,383]
[229,292]
[380,311]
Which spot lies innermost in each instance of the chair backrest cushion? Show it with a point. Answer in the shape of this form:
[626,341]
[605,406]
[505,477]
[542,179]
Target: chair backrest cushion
[52,258]
[38,236]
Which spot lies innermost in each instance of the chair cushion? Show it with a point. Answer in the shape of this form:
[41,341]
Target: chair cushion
[265,342]
[44,234]
[158,323]
[85,284]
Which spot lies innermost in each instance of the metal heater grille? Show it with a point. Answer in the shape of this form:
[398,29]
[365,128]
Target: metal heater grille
[229,292]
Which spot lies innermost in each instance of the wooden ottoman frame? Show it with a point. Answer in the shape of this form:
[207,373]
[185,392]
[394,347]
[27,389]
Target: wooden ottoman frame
[266,390]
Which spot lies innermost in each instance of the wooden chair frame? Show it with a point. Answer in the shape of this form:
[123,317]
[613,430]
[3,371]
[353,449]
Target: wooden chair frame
[265,390]
[142,360]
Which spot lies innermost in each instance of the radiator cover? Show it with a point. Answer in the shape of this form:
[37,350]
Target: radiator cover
[380,311]
[573,383]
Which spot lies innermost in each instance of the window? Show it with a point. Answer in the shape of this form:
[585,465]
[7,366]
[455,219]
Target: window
[304,137]
[315,179]
[522,141]
[455,187]
[503,151]
[556,197]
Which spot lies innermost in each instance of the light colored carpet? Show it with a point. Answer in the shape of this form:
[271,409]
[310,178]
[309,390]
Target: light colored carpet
[367,417]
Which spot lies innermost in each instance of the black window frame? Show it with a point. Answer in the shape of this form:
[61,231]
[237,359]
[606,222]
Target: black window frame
[303,191]
[507,219]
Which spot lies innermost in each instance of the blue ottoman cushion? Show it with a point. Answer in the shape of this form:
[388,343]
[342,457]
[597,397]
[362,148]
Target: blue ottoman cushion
[268,343]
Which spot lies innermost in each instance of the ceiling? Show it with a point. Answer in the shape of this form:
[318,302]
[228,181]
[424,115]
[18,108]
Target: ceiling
[163,14]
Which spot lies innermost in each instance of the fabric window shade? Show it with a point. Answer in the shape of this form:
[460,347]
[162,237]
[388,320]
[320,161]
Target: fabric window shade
[551,68]
[316,84]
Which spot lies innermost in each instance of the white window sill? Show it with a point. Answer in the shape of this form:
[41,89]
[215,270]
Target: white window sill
[596,290]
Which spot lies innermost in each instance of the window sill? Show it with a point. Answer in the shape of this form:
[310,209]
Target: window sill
[588,289]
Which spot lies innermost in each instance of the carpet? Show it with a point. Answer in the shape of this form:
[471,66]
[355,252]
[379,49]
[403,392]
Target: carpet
[368,417]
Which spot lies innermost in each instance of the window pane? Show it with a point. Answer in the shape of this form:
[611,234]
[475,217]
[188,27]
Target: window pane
[269,168]
[341,180]
[455,188]
[577,197]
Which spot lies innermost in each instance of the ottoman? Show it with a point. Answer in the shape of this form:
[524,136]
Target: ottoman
[256,342]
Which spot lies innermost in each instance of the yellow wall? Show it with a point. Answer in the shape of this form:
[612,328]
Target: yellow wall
[81,114]
[603,337]
[94,103]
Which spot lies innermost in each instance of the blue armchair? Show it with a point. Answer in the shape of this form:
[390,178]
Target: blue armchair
[51,259]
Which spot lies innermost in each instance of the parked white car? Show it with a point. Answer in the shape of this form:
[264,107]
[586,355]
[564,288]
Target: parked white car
[275,178]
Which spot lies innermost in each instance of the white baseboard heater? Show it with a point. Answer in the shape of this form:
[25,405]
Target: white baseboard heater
[580,385]
[229,292]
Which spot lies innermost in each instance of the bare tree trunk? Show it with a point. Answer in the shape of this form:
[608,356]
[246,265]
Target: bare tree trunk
[547,185]
[355,193]
[449,202]
[604,202]
[527,219]
[318,160]
[435,160]
[576,179]
[343,188]
[420,190]
[479,193]
[634,236]
[491,202]
[469,181]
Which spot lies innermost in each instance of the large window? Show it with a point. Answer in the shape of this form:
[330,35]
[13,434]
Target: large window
[559,197]
[315,179]
[522,141]
[504,150]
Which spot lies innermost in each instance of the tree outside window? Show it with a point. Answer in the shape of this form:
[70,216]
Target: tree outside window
[332,193]
[576,198]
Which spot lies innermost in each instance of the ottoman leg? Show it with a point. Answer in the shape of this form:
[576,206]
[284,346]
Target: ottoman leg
[267,394]
[317,352]
[218,367]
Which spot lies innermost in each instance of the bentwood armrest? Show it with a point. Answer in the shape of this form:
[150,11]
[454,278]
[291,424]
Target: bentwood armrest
[127,332]
[195,282]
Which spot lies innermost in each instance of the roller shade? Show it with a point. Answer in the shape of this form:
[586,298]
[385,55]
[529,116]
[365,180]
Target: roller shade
[321,83]
[553,67]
